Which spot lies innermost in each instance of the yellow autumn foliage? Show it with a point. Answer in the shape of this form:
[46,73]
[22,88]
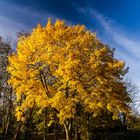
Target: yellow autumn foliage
[61,66]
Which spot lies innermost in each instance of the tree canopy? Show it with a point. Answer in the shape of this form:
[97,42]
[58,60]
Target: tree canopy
[67,69]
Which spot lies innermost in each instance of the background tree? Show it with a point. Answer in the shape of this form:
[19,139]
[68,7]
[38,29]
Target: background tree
[6,92]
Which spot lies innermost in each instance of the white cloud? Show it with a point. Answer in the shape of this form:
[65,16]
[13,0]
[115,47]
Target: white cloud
[117,35]
[9,28]
[127,48]
[15,18]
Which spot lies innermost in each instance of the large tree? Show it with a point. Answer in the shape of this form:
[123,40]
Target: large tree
[68,70]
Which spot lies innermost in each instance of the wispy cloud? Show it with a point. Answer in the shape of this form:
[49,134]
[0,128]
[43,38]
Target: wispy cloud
[127,48]
[15,18]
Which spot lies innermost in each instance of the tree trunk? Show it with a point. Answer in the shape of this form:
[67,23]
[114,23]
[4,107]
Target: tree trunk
[55,134]
[4,119]
[88,127]
[16,136]
[9,114]
[45,125]
[78,137]
[44,137]
[28,125]
[68,130]
[6,130]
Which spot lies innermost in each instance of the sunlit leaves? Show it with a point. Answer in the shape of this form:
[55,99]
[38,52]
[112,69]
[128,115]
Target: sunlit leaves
[62,66]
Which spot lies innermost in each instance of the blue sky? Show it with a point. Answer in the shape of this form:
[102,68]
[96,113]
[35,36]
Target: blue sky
[116,22]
